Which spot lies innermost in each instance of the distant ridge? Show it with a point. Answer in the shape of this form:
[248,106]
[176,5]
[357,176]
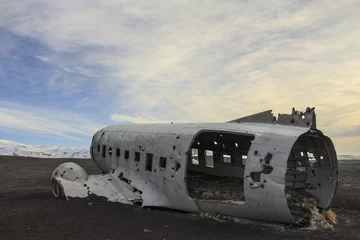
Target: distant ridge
[348,157]
[10,148]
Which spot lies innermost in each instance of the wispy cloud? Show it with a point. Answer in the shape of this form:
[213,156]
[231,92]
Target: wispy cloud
[200,61]
[19,118]
[136,119]
[45,59]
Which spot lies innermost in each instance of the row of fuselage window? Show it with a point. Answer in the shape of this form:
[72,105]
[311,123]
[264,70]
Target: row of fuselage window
[149,157]
[209,157]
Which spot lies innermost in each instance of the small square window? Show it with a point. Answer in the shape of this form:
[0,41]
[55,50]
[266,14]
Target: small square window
[194,156]
[148,164]
[162,162]
[126,154]
[118,152]
[110,151]
[226,158]
[311,158]
[137,157]
[98,148]
[244,158]
[209,158]
[104,151]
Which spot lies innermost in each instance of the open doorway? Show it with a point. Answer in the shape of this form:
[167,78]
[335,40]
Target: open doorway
[216,166]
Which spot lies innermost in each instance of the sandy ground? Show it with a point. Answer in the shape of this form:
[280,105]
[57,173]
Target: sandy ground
[28,210]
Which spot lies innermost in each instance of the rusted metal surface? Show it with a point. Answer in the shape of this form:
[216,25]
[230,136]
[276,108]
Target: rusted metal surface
[134,161]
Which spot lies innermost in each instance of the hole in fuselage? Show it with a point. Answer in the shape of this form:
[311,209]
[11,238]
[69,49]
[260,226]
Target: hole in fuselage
[215,171]
[308,167]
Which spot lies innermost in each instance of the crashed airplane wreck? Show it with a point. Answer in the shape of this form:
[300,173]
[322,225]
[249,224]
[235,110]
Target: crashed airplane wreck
[256,167]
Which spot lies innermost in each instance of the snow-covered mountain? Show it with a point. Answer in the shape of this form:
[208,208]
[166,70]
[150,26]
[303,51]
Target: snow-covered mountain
[10,148]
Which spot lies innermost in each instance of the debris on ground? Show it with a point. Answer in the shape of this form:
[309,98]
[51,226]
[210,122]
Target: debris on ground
[209,187]
[303,206]
[278,227]
[330,216]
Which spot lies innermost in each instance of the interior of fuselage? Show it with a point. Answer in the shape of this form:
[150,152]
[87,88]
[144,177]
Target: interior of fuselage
[216,166]
[217,162]
[311,175]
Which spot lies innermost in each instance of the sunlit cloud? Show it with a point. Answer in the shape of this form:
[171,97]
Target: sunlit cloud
[198,61]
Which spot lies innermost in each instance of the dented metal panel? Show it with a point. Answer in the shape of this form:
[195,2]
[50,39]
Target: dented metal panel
[130,157]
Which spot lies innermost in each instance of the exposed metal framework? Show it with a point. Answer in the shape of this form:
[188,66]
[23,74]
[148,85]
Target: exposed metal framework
[250,167]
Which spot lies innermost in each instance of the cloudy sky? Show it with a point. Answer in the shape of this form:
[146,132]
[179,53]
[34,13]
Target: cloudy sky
[68,68]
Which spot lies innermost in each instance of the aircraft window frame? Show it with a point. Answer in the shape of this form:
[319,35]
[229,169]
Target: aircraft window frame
[149,162]
[103,154]
[209,159]
[195,159]
[227,158]
[243,160]
[137,156]
[126,154]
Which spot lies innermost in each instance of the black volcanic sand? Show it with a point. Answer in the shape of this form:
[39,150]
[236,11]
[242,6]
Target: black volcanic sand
[28,210]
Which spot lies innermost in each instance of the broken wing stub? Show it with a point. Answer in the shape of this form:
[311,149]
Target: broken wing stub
[296,118]
[69,180]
